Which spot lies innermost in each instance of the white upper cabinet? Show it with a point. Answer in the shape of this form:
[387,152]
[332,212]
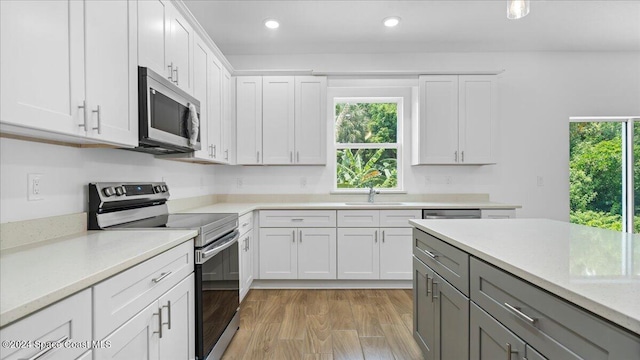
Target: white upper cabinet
[166,42]
[42,91]
[215,110]
[179,51]
[249,120]
[284,122]
[228,124]
[152,28]
[47,48]
[111,96]
[457,120]
[201,89]
[310,120]
[277,119]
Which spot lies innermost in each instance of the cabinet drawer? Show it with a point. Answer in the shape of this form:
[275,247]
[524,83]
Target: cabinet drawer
[398,218]
[298,218]
[120,297]
[68,319]
[359,218]
[558,329]
[245,223]
[449,262]
[498,213]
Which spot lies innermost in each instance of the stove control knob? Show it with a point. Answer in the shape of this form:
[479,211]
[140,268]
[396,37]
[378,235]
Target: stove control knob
[120,190]
[165,188]
[158,188]
[109,191]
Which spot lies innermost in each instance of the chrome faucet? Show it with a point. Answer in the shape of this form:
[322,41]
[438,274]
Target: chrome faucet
[372,193]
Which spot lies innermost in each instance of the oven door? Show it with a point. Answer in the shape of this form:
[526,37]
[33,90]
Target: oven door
[217,293]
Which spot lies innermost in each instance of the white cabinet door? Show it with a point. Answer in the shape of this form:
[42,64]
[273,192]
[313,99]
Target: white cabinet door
[178,318]
[215,110]
[278,253]
[180,47]
[438,136]
[201,60]
[249,120]
[111,71]
[317,253]
[476,119]
[277,120]
[42,65]
[395,253]
[246,263]
[153,16]
[310,120]
[137,339]
[358,253]
[228,123]
[68,319]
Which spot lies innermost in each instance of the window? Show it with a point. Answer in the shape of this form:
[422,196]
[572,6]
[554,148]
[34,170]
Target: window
[367,143]
[604,173]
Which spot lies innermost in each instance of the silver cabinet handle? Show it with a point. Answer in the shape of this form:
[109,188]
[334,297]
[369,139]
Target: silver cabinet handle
[161,277]
[382,235]
[258,157]
[430,254]
[428,289]
[215,153]
[375,237]
[99,127]
[159,313]
[516,311]
[455,156]
[49,349]
[177,79]
[297,219]
[245,224]
[297,156]
[462,155]
[168,306]
[510,351]
[170,71]
[226,154]
[293,233]
[84,115]
[300,234]
[248,243]
[433,290]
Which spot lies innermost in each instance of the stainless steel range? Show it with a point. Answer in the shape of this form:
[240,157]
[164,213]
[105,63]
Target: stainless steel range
[114,206]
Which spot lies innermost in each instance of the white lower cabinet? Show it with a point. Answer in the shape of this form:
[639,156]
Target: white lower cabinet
[246,263]
[367,251]
[297,253]
[67,321]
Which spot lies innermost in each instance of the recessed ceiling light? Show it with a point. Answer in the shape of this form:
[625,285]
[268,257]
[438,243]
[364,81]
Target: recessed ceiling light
[271,23]
[391,21]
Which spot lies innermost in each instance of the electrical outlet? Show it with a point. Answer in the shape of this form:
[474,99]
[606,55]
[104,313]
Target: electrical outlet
[239,182]
[303,182]
[34,187]
[540,181]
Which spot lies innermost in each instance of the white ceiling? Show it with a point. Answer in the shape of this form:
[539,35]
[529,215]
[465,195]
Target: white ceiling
[342,26]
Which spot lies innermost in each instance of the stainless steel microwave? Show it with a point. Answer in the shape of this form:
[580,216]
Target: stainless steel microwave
[168,116]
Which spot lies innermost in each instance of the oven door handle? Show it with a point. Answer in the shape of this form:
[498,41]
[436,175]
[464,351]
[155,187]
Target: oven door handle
[227,241]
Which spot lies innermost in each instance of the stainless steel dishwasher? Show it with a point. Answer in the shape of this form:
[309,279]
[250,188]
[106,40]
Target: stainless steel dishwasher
[451,214]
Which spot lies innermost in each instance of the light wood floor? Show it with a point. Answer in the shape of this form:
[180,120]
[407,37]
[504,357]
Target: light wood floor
[325,325]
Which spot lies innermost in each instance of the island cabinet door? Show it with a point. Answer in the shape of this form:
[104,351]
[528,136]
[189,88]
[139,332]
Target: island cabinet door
[451,320]
[423,309]
[489,340]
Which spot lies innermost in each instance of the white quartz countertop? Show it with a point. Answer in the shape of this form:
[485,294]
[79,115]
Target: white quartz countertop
[596,269]
[243,208]
[37,275]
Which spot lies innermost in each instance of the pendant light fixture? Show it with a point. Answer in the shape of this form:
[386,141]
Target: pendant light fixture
[517,9]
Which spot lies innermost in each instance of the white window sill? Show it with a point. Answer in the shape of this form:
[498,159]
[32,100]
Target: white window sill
[365,191]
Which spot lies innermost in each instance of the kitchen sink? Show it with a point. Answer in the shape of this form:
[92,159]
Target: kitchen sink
[374,203]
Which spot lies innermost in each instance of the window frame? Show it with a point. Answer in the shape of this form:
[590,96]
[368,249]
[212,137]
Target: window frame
[369,95]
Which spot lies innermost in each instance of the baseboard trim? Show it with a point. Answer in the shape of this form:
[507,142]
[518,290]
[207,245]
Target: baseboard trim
[332,284]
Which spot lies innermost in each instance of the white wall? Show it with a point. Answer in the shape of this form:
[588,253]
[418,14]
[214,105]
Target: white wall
[67,171]
[538,93]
